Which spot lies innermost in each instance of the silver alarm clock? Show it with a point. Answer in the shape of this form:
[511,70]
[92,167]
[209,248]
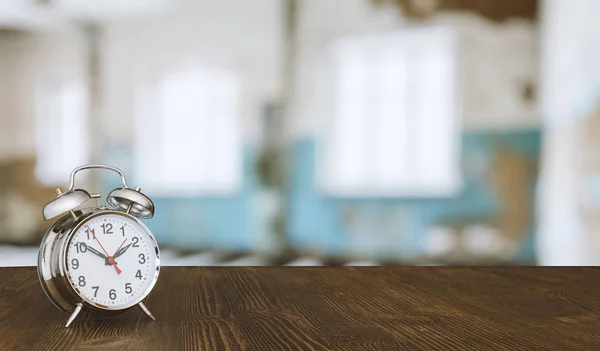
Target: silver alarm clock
[96,261]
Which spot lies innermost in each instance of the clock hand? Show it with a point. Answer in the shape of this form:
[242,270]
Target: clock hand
[122,251]
[117,269]
[100,254]
[96,252]
[109,260]
[119,248]
[93,231]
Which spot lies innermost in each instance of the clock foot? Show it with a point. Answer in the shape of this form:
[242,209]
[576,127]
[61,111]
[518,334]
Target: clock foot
[146,310]
[74,315]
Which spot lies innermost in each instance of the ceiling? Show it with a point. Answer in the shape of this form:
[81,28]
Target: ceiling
[40,14]
[497,10]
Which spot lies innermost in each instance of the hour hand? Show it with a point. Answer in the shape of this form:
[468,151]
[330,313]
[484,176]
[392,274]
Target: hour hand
[96,252]
[122,250]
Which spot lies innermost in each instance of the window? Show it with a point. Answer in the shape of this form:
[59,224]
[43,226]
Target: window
[187,136]
[61,126]
[390,115]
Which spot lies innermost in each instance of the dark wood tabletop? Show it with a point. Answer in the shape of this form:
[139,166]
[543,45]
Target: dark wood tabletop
[336,308]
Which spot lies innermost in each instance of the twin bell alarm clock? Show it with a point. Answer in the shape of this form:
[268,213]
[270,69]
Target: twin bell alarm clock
[98,261]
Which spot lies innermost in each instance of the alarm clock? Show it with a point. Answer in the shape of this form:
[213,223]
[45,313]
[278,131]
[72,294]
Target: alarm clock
[97,261]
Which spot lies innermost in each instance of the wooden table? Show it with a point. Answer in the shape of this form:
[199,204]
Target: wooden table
[338,308]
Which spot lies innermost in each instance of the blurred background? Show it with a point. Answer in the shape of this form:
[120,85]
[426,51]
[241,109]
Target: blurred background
[312,132]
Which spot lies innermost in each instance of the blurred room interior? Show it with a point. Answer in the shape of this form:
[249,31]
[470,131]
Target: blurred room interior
[312,132]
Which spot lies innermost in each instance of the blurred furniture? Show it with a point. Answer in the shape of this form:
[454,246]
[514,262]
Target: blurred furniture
[499,171]
[22,198]
[384,308]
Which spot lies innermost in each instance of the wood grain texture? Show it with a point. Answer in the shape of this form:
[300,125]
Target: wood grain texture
[336,308]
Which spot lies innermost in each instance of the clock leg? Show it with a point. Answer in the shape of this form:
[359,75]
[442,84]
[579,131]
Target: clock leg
[74,315]
[146,310]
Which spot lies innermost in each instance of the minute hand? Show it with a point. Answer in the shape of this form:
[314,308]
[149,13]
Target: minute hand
[122,250]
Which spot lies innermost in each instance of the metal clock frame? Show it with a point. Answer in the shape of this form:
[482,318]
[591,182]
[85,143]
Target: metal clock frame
[52,259]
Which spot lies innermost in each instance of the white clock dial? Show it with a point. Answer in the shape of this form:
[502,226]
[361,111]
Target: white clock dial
[112,261]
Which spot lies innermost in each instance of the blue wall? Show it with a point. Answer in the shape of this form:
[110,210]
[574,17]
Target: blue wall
[396,226]
[197,223]
[387,228]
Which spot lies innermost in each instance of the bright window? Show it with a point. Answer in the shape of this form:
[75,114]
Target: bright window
[61,124]
[187,134]
[391,115]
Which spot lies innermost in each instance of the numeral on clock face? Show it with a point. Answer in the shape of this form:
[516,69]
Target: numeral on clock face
[112,271]
[81,247]
[87,233]
[107,228]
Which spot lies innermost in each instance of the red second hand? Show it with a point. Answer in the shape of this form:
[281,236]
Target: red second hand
[109,258]
[98,241]
[112,257]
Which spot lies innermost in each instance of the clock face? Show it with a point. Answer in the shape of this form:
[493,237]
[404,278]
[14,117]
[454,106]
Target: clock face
[112,261]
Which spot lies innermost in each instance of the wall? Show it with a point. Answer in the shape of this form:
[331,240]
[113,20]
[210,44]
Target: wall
[238,35]
[499,175]
[569,105]
[500,60]
[246,37]
[28,61]
[242,36]
[501,123]
[9,66]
